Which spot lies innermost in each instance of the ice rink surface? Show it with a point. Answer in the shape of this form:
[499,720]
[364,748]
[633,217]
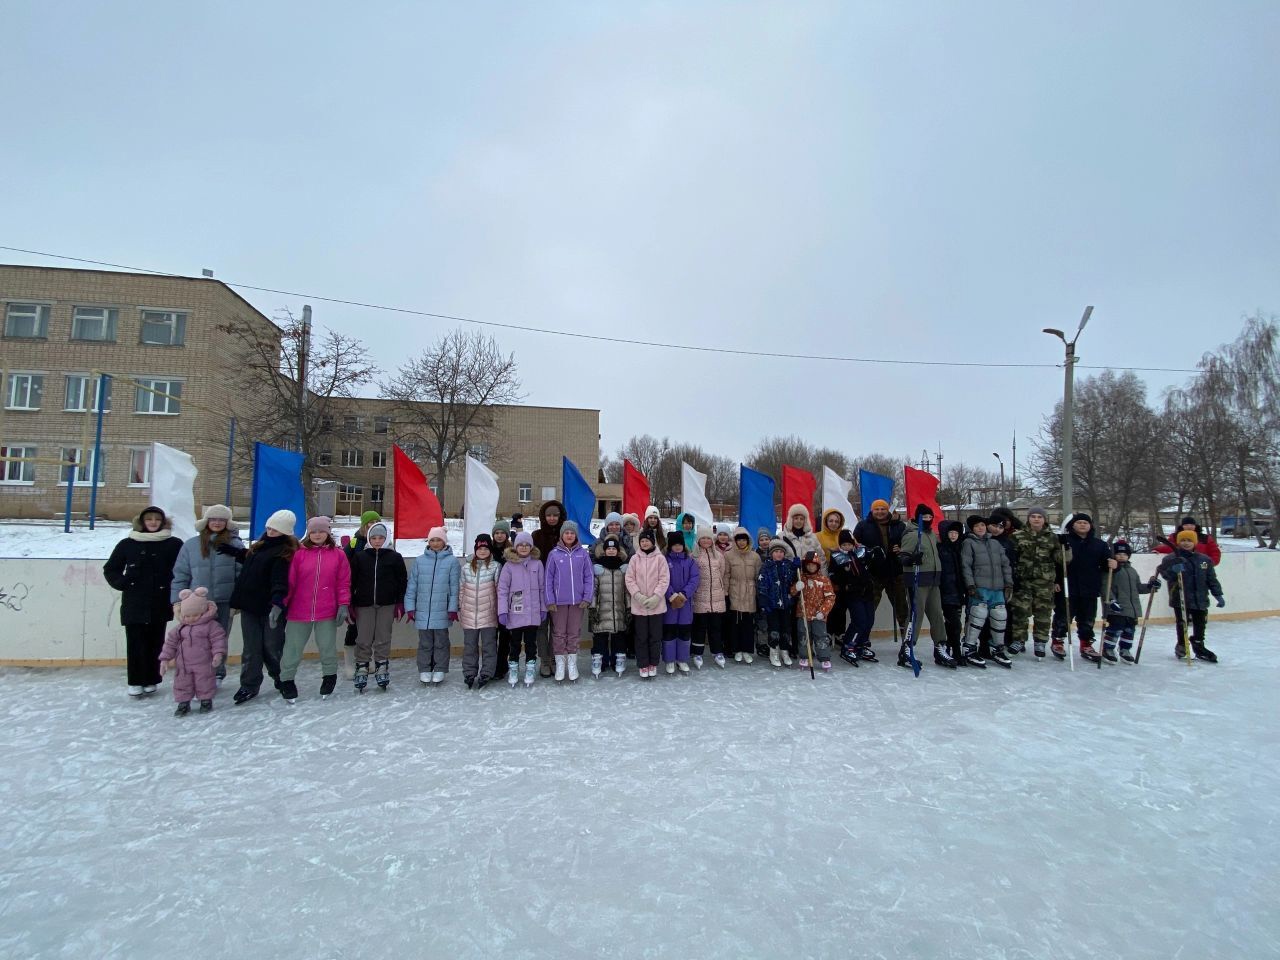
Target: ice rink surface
[1032,813]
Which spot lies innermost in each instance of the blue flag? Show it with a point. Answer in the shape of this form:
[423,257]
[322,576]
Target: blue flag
[755,502]
[874,486]
[277,485]
[579,501]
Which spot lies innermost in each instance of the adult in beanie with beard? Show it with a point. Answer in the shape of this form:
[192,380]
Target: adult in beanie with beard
[141,568]
[881,533]
[921,563]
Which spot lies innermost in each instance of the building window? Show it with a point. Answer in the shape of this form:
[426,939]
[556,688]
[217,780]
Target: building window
[353,424]
[324,458]
[163,328]
[379,459]
[326,423]
[25,391]
[377,493]
[351,494]
[15,471]
[158,396]
[480,451]
[548,493]
[526,493]
[353,458]
[82,394]
[27,320]
[381,424]
[94,323]
[83,467]
[139,466]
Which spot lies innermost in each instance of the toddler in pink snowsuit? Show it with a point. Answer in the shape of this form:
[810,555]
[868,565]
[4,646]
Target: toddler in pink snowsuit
[196,644]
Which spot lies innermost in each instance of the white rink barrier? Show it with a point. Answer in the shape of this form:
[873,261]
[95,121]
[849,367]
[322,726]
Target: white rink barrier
[62,613]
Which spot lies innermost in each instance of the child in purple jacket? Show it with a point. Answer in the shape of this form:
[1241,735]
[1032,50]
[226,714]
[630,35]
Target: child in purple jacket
[197,645]
[521,607]
[677,622]
[571,584]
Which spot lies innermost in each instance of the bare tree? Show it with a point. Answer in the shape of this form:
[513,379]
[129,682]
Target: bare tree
[445,399]
[645,453]
[270,406]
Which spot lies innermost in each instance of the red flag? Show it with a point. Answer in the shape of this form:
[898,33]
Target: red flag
[921,487]
[635,490]
[417,509]
[798,486]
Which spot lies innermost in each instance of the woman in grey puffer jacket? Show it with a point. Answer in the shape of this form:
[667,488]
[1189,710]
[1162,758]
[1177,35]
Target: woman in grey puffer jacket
[988,580]
[211,559]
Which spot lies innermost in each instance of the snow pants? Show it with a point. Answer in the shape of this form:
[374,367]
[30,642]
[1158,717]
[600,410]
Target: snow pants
[929,604]
[143,643]
[193,677]
[707,630]
[566,629]
[676,641]
[479,652]
[648,639]
[373,632]
[1033,603]
[1119,630]
[262,644]
[526,637]
[781,623]
[609,646]
[897,598]
[433,651]
[953,617]
[296,635]
[741,637]
[820,639]
[1084,610]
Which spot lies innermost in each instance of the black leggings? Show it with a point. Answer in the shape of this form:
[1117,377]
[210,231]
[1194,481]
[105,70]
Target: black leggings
[707,630]
[529,637]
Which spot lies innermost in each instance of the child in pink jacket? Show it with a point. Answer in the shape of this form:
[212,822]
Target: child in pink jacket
[196,645]
[318,600]
[647,579]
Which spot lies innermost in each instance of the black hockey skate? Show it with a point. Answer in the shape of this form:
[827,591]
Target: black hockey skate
[943,658]
[362,676]
[1001,658]
[849,657]
[382,673]
[327,683]
[289,691]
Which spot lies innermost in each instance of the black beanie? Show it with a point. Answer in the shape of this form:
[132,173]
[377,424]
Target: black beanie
[973,520]
[845,537]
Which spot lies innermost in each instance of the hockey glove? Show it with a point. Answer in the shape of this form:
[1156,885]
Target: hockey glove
[1222,601]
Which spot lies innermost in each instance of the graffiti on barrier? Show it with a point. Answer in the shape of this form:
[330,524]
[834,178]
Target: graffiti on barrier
[11,598]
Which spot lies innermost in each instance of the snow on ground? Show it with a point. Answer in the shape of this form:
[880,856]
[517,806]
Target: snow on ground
[1034,813]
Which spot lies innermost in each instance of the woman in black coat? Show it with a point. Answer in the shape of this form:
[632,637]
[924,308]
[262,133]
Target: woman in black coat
[259,595]
[141,568]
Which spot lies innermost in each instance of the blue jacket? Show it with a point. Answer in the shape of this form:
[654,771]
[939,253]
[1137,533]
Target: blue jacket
[773,585]
[433,589]
[684,579]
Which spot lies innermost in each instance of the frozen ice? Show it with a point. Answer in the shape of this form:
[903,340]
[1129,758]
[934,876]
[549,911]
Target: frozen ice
[1032,813]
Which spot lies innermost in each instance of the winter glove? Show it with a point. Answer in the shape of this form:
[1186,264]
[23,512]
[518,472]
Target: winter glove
[164,666]
[971,593]
[216,662]
[453,616]
[398,614]
[1062,539]
[1222,601]
[649,601]
[408,616]
[677,600]
[551,608]
[584,604]
[597,569]
[1154,583]
[913,559]
[343,616]
[273,618]
[227,550]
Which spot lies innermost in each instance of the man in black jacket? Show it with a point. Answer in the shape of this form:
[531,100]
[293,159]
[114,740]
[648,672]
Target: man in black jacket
[882,534]
[1090,560]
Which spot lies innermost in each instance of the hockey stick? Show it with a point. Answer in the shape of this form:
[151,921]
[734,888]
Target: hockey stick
[1182,604]
[1066,602]
[910,640]
[1106,592]
[804,618]
[1142,634]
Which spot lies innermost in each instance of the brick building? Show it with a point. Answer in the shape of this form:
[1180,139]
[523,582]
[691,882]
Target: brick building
[158,338]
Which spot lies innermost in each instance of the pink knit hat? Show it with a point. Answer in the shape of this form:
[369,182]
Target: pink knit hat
[193,603]
[320,523]
[439,532]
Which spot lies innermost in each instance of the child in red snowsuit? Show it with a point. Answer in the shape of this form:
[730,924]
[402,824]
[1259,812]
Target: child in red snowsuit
[196,645]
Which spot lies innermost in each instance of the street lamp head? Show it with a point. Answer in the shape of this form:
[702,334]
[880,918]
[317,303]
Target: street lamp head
[1057,333]
[1088,312]
[996,455]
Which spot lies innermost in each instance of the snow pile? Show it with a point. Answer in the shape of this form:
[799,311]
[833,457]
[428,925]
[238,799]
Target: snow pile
[1036,812]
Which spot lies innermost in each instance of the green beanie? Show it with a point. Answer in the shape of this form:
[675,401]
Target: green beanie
[369,516]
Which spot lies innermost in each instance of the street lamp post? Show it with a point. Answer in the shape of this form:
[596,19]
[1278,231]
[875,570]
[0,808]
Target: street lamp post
[1068,397]
[1004,495]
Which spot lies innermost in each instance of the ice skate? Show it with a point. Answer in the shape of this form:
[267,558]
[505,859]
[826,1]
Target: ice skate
[804,664]
[206,706]
[382,673]
[513,673]
[362,677]
[1000,655]
[469,681]
[785,655]
[597,664]
[437,676]
[243,695]
[1109,653]
[327,683]
[697,661]
[943,659]
[1204,653]
[149,688]
[737,658]
[1087,651]
[135,691]
[571,661]
[289,691]
[182,709]
[826,665]
[1059,649]
[1126,655]
[620,664]
[683,667]
[424,676]
[971,658]
[720,660]
[560,666]
[671,667]
[850,657]
[1039,648]
[773,657]
[1015,647]
[748,658]
[866,653]
[530,671]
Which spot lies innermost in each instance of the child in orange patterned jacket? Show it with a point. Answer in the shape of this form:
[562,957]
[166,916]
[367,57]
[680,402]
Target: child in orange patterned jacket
[814,600]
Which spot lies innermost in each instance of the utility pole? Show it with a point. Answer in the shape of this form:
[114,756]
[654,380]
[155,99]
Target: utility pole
[1014,482]
[304,348]
[1004,499]
[1068,409]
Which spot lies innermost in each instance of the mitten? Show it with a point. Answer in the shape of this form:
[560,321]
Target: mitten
[273,618]
[408,616]
[164,667]
[342,613]
[399,612]
[453,616]
[1222,601]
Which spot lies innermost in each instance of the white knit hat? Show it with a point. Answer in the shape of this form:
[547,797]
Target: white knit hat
[283,521]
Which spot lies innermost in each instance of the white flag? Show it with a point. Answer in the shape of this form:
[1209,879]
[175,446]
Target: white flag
[835,496]
[479,503]
[173,487]
[693,494]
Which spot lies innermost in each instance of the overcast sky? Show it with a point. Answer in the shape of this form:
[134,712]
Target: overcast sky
[916,180]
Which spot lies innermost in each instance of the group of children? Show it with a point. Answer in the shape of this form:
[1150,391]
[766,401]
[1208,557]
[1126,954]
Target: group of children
[666,597]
